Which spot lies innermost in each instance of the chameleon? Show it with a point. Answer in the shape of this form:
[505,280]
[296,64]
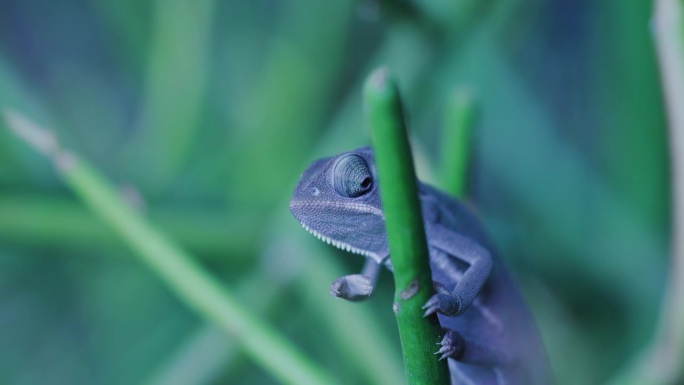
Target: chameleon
[489,334]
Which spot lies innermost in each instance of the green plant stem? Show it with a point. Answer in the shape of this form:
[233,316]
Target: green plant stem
[661,362]
[669,35]
[177,65]
[206,352]
[294,83]
[199,360]
[455,151]
[60,222]
[177,269]
[351,326]
[405,232]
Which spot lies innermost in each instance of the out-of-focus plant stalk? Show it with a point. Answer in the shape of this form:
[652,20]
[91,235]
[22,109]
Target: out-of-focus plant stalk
[176,268]
[177,65]
[455,151]
[669,37]
[58,222]
[661,362]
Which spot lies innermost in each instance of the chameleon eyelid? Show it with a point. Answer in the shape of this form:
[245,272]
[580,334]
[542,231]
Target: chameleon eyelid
[351,176]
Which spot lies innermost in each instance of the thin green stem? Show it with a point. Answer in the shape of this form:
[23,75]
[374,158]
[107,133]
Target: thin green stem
[455,152]
[174,266]
[660,363]
[405,232]
[669,34]
[177,65]
[60,222]
[207,352]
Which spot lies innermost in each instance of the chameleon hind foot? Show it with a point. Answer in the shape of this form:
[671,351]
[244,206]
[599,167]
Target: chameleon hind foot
[444,302]
[451,345]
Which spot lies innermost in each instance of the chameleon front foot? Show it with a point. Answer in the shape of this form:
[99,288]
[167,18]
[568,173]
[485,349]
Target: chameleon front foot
[444,302]
[354,287]
[451,345]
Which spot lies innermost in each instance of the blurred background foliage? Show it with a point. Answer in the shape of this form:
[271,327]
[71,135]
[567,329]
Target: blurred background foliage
[204,113]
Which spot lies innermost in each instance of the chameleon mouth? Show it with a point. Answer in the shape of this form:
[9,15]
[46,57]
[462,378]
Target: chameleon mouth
[342,245]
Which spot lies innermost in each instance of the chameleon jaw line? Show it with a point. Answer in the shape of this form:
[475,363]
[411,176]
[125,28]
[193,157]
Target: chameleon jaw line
[342,245]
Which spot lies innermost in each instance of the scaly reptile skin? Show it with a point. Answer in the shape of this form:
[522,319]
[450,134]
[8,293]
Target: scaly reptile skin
[490,337]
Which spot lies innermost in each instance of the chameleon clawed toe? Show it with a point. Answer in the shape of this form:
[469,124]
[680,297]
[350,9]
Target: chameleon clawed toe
[451,345]
[444,302]
[337,199]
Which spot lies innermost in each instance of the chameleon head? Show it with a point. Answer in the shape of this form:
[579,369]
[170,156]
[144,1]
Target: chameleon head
[337,200]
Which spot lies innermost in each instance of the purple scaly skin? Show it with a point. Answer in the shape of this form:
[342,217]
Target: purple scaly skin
[490,337]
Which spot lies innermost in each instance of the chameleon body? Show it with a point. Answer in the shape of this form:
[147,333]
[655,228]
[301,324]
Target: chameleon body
[490,337]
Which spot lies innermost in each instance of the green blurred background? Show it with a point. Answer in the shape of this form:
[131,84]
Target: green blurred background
[204,113]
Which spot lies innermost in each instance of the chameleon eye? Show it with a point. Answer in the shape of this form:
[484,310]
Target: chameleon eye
[351,176]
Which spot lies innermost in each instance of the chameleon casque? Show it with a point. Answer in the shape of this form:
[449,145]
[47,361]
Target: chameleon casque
[490,337]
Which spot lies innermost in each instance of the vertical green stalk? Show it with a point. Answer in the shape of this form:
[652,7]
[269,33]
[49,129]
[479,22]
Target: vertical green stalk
[175,87]
[405,232]
[458,121]
[661,362]
[669,34]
